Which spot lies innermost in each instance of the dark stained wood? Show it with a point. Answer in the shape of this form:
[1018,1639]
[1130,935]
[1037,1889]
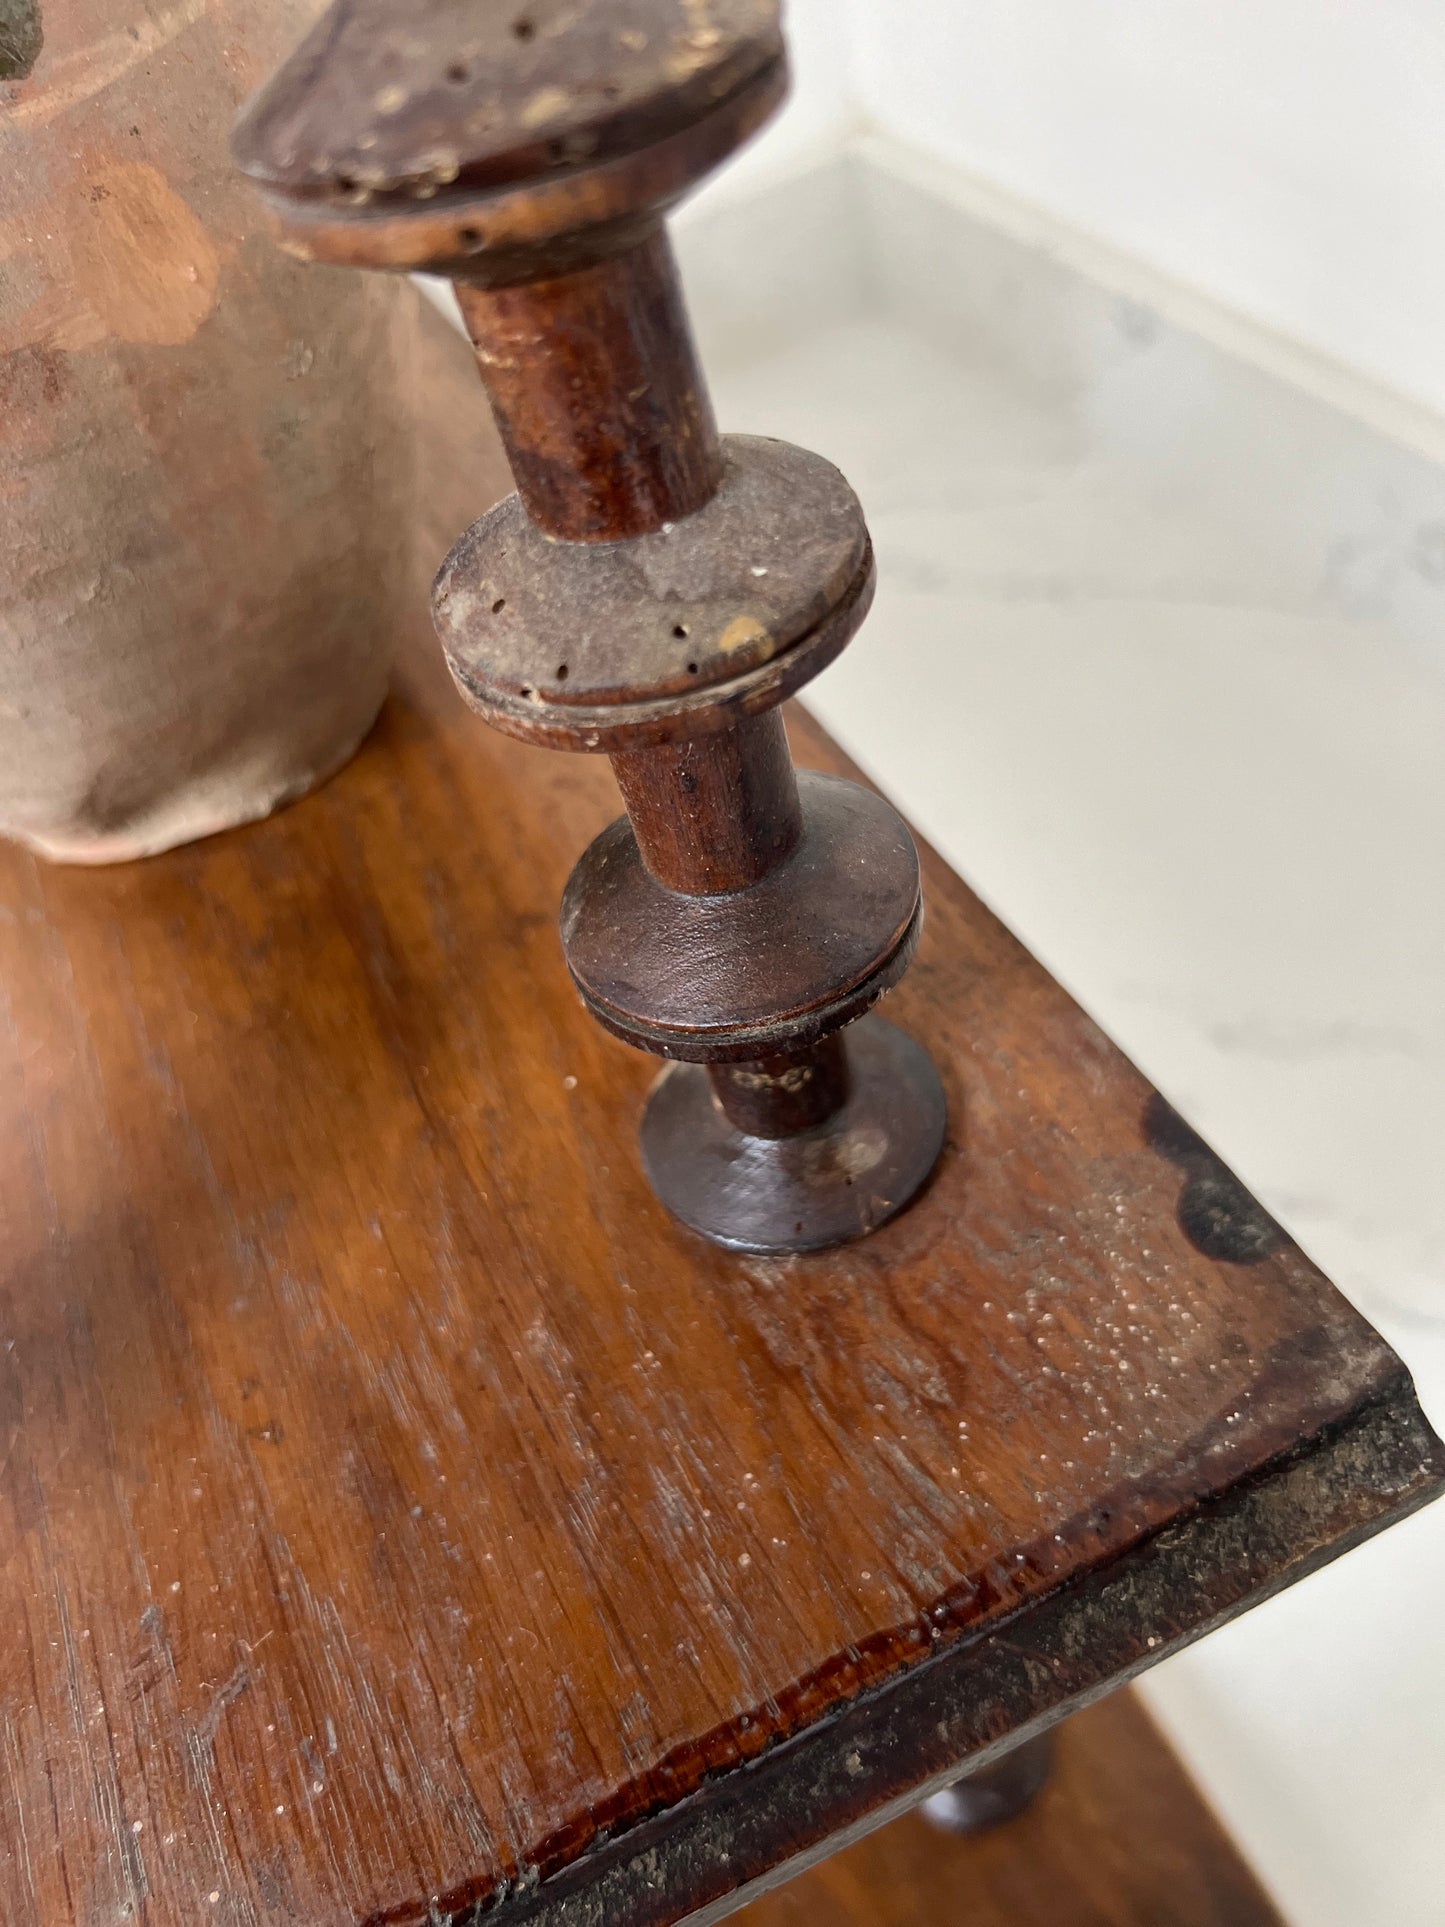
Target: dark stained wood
[389,100]
[806,1087]
[979,1801]
[583,342]
[1119,1837]
[777,1174]
[596,389]
[400,1515]
[715,815]
[813,941]
[504,145]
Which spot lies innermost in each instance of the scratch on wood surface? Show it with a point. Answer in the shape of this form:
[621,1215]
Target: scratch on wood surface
[16,1803]
[226,1694]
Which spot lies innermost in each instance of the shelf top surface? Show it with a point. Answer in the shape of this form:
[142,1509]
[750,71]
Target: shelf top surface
[398,1505]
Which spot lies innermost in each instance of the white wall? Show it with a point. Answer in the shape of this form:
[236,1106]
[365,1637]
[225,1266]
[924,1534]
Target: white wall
[1286,156]
[822,108]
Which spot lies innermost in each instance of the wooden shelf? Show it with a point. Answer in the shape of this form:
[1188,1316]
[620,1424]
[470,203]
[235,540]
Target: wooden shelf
[1118,1838]
[405,1515]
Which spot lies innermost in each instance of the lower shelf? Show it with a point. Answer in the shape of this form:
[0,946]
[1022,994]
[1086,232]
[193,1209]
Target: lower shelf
[1120,1837]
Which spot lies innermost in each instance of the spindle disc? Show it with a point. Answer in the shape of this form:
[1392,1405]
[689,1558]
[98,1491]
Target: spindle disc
[823,1187]
[615,645]
[503,141]
[715,979]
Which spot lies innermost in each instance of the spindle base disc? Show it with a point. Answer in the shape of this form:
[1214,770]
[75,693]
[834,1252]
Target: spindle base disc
[823,1187]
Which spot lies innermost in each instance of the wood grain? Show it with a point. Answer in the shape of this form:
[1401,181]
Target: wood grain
[720,814]
[569,292]
[610,433]
[402,1517]
[1118,1838]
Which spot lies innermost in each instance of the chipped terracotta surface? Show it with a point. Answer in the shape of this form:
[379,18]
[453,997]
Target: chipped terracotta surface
[141,266]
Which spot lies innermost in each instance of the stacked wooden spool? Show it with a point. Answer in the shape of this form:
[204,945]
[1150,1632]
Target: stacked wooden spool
[652,591]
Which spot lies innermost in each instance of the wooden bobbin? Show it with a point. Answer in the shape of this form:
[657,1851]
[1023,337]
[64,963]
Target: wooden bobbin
[653,591]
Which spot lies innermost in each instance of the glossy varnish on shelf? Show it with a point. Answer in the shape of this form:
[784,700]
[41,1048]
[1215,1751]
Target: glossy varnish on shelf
[401,1514]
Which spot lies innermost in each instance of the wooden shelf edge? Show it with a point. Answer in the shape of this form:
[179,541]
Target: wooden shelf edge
[751,1828]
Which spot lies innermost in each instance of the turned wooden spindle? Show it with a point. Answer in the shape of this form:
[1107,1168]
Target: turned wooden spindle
[652,591]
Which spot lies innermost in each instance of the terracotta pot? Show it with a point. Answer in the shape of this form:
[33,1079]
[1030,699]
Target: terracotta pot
[203,453]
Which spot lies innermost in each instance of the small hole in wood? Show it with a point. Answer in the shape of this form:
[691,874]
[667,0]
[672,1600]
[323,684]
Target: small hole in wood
[561,672]
[469,237]
[523,30]
[692,669]
[347,183]
[527,690]
[499,605]
[459,73]
[679,629]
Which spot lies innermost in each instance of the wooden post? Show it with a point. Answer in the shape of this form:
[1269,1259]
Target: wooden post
[652,591]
